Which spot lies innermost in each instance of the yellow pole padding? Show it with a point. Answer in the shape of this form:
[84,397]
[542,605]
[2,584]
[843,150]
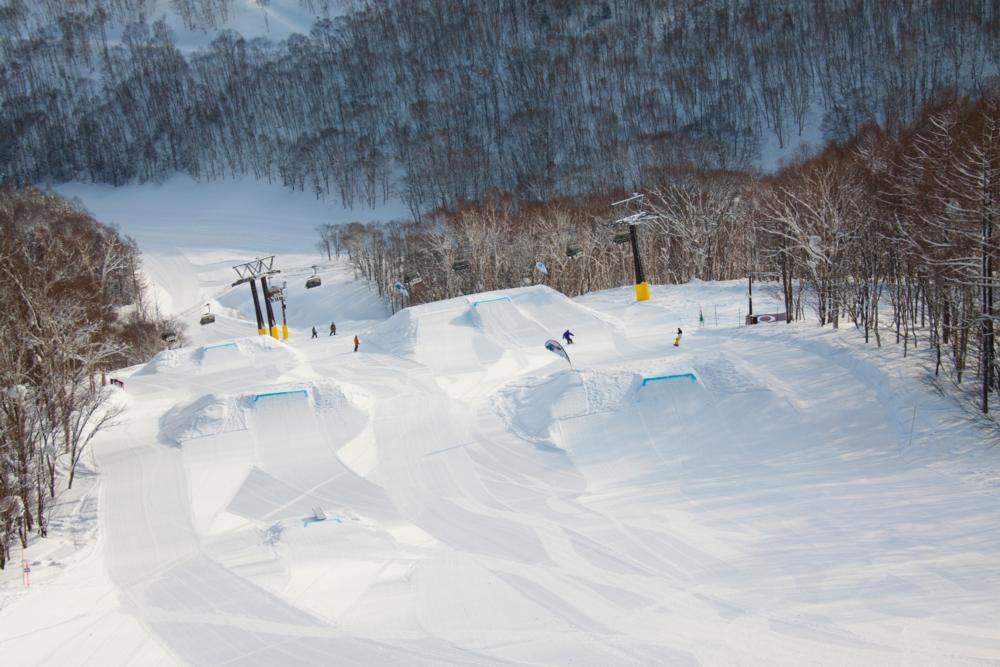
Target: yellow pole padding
[284,331]
[274,333]
[642,291]
[262,331]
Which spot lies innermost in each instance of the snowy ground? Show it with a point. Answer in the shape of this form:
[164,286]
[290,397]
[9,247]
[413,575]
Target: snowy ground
[804,500]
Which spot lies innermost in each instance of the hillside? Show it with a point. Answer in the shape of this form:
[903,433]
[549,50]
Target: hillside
[434,102]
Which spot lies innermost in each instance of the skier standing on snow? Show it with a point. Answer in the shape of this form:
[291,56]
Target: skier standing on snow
[677,341]
[314,333]
[333,328]
[568,336]
[357,342]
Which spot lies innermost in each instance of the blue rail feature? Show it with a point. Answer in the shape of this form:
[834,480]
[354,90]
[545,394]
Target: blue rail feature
[312,519]
[475,304]
[206,348]
[678,376]
[257,397]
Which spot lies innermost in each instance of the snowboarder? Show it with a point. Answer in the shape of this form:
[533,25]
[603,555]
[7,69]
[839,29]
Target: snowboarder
[314,333]
[357,342]
[333,328]
[677,341]
[568,336]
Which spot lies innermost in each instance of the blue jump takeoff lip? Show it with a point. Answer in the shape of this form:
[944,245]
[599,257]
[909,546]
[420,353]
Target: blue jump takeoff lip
[475,304]
[678,376]
[219,346]
[257,397]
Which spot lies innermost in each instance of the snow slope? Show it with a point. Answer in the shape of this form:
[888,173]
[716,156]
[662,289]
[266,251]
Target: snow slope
[775,495]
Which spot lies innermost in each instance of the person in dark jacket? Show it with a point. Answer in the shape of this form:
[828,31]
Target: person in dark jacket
[357,342]
[314,333]
[333,328]
[568,336]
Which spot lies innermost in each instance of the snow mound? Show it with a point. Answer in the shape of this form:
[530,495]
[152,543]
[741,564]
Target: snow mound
[506,328]
[534,410]
[218,357]
[207,416]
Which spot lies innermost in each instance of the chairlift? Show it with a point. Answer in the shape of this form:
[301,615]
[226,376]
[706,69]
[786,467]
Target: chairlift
[314,280]
[275,293]
[168,336]
[412,279]
[622,237]
[573,250]
[207,317]
[460,265]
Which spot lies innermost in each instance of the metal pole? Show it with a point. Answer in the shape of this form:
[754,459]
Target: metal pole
[256,308]
[284,321]
[272,325]
[641,286]
[640,276]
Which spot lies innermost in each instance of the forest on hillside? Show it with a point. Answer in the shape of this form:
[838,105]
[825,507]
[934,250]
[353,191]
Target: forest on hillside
[75,310]
[440,101]
[899,223]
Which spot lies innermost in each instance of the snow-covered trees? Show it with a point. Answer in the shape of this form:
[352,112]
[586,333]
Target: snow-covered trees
[70,292]
[538,99]
[890,230]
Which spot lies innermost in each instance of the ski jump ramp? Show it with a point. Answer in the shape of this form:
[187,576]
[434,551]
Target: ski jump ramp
[297,467]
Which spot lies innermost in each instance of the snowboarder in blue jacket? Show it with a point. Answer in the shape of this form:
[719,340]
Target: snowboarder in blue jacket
[568,336]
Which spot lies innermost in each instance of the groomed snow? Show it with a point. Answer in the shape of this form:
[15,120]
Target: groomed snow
[790,498]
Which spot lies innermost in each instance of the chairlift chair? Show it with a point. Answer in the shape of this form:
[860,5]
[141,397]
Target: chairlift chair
[460,265]
[168,336]
[573,250]
[622,237]
[412,279]
[314,280]
[207,317]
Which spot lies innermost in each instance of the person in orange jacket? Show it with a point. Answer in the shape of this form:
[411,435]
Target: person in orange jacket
[357,342]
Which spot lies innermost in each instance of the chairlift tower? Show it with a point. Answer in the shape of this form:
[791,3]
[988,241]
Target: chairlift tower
[249,272]
[633,216]
[277,295]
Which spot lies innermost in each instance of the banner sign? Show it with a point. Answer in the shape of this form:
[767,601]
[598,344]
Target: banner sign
[554,346]
[763,318]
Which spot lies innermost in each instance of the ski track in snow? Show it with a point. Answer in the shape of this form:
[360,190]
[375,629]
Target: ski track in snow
[487,504]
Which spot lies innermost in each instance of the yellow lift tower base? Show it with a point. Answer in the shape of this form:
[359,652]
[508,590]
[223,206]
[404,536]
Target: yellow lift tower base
[642,291]
[284,331]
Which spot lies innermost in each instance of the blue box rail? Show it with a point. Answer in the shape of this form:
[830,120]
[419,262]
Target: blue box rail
[205,348]
[676,376]
[475,304]
[269,394]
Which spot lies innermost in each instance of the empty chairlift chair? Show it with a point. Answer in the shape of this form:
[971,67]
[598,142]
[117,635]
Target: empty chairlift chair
[207,317]
[573,250]
[314,280]
[622,237]
[460,264]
